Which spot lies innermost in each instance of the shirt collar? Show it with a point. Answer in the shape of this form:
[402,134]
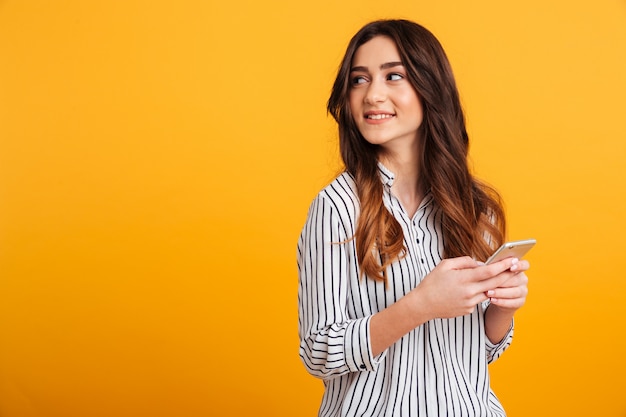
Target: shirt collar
[386,176]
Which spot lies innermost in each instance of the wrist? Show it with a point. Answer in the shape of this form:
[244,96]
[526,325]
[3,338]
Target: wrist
[498,321]
[418,306]
[504,312]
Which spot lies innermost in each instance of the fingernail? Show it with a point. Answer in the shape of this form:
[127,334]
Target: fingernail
[514,266]
[490,293]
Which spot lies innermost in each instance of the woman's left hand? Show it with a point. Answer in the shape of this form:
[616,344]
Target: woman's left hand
[512,294]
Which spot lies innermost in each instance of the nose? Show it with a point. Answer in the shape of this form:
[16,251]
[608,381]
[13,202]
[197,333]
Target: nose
[376,92]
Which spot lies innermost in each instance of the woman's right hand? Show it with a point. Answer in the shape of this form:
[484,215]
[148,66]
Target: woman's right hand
[457,285]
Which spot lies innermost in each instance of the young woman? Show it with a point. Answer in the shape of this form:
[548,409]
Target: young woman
[397,314]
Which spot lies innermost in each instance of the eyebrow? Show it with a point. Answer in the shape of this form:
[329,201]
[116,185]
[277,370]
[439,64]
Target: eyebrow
[386,65]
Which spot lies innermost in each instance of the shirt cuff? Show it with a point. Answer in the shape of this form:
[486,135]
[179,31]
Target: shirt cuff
[357,347]
[494,350]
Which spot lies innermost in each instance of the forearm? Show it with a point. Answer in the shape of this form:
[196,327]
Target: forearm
[389,325]
[497,322]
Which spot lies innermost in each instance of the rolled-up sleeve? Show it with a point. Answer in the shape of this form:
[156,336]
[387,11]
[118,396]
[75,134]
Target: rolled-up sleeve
[331,343]
[495,350]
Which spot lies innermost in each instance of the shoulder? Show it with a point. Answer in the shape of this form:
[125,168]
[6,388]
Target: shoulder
[343,186]
[341,194]
[337,203]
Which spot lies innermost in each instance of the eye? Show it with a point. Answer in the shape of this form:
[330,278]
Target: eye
[358,79]
[395,77]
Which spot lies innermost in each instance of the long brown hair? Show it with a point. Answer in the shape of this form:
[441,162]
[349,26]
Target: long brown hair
[473,215]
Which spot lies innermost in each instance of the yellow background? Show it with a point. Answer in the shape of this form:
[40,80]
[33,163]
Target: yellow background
[157,160]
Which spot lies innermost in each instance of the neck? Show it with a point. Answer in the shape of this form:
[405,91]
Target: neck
[407,186]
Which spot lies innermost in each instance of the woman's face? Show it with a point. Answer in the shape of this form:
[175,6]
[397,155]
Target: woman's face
[385,107]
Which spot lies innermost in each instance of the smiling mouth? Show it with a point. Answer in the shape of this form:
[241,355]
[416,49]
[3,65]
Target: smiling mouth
[378,116]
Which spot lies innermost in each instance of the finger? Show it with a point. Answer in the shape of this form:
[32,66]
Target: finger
[511,293]
[512,304]
[462,262]
[516,279]
[487,272]
[493,283]
[522,265]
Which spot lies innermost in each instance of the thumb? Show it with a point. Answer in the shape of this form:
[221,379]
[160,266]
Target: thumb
[462,262]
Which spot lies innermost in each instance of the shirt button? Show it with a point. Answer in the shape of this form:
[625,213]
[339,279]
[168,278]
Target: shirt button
[422,260]
[418,241]
[362,366]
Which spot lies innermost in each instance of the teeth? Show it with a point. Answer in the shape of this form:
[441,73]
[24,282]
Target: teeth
[379,116]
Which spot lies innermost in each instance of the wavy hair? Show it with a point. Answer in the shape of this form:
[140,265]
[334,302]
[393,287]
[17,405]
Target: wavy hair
[473,214]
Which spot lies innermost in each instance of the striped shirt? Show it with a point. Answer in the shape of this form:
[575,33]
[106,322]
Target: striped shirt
[438,369]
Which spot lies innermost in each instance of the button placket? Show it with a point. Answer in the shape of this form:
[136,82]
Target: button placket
[419,238]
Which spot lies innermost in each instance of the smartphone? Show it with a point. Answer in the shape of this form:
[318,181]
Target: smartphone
[515,249]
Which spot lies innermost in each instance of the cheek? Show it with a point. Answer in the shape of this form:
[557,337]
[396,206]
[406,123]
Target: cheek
[353,101]
[410,100]
[412,103]
[356,110]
